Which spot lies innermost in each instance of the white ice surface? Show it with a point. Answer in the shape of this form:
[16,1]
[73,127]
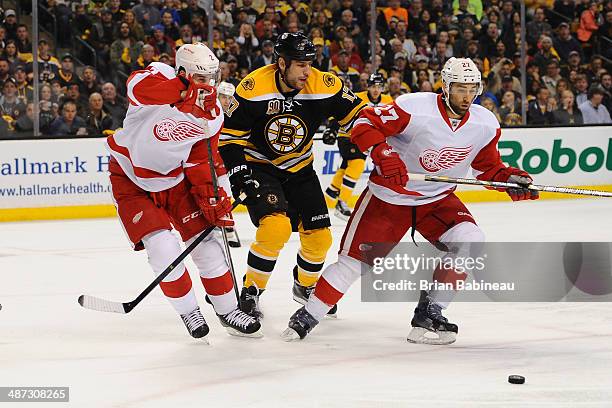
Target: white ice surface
[146,359]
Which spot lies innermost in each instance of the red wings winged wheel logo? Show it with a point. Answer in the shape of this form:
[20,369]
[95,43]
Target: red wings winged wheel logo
[171,130]
[435,160]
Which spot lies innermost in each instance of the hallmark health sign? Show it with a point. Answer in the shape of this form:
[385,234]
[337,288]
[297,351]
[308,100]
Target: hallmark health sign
[555,156]
[49,173]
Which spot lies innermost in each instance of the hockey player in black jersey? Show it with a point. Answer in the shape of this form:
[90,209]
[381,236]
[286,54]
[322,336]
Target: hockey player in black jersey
[266,144]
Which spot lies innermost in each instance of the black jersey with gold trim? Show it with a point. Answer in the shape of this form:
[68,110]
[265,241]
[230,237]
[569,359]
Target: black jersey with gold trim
[266,126]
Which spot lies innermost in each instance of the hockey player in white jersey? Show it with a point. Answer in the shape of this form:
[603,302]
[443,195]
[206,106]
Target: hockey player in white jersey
[427,134]
[161,178]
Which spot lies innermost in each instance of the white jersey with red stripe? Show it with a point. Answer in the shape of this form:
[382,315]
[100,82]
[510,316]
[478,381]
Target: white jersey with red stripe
[158,141]
[420,131]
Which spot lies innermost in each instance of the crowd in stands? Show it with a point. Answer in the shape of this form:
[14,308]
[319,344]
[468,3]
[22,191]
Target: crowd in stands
[569,52]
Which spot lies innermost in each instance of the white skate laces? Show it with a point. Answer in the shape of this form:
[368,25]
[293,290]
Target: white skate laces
[238,318]
[194,319]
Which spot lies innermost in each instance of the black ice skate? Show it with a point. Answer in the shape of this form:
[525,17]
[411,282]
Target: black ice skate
[249,301]
[342,210]
[238,323]
[232,237]
[429,326]
[300,324]
[302,293]
[195,323]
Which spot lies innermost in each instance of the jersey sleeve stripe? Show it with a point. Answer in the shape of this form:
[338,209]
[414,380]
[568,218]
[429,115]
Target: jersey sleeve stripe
[234,132]
[132,82]
[352,114]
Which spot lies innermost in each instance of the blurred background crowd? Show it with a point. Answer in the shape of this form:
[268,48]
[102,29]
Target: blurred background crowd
[87,49]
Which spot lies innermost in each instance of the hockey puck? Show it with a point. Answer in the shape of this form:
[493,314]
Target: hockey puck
[516,379]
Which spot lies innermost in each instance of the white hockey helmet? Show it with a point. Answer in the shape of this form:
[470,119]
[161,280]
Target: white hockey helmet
[460,70]
[225,88]
[197,59]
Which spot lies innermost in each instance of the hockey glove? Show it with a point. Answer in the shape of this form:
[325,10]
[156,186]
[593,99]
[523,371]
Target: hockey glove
[330,135]
[242,180]
[389,164]
[217,211]
[201,101]
[518,176]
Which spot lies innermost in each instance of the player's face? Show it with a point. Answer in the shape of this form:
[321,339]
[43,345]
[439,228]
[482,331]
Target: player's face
[375,90]
[225,101]
[297,74]
[204,79]
[461,97]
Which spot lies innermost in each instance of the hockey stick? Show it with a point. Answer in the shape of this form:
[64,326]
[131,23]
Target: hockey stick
[475,182]
[103,305]
[228,254]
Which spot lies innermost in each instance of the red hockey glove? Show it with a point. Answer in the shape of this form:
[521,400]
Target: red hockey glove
[216,210]
[389,165]
[518,176]
[201,101]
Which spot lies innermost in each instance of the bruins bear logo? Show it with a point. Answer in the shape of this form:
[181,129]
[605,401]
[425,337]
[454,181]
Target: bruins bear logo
[329,80]
[285,133]
[248,84]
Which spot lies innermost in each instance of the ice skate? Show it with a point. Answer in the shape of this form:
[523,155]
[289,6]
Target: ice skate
[195,323]
[239,323]
[429,326]
[342,210]
[300,324]
[249,301]
[302,293]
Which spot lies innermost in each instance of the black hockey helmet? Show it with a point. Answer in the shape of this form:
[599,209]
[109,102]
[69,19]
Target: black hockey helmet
[376,79]
[294,46]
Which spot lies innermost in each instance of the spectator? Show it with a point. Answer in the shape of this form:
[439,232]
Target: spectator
[488,41]
[465,8]
[147,14]
[73,93]
[25,124]
[101,38]
[573,63]
[98,120]
[12,55]
[223,16]
[114,104]
[161,43]
[10,24]
[588,25]
[567,113]
[395,10]
[24,46]
[582,86]
[69,123]
[426,87]
[509,105]
[187,13]
[4,70]
[552,77]
[48,65]
[565,43]
[89,81]
[538,27]
[489,105]
[147,56]
[11,107]
[545,55]
[171,28]
[185,36]
[593,111]
[606,86]
[247,40]
[539,111]
[513,119]
[129,18]
[348,74]
[125,50]
[394,86]
[66,73]
[267,55]
[25,91]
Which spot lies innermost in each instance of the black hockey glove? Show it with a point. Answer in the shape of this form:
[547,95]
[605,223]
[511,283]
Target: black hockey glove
[241,179]
[330,135]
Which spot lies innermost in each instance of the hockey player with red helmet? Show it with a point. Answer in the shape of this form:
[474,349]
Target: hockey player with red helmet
[161,178]
[429,134]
